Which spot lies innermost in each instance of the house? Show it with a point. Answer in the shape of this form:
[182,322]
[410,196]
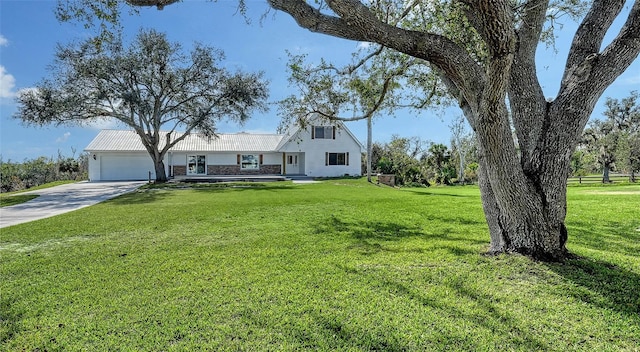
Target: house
[319,150]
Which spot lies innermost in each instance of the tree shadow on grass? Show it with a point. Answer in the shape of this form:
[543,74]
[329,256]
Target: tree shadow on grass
[370,237]
[471,308]
[601,284]
[139,197]
[611,236]
[428,193]
[379,230]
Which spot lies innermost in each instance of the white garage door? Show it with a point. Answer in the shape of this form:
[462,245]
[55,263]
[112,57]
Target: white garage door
[126,167]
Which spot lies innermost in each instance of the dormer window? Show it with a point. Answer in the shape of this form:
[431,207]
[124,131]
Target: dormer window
[323,132]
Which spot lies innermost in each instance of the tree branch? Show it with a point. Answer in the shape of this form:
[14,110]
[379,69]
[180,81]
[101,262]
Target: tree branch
[589,37]
[356,22]
[525,93]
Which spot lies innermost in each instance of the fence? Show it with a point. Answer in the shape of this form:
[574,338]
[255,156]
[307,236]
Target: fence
[613,178]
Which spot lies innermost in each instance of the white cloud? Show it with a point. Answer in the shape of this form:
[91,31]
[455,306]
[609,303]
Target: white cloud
[364,45]
[7,83]
[104,124]
[3,41]
[64,137]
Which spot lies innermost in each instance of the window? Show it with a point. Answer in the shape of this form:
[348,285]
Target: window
[336,158]
[249,161]
[292,159]
[196,165]
[323,132]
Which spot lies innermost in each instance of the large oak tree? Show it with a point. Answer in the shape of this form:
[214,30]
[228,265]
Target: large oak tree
[523,191]
[523,186]
[151,86]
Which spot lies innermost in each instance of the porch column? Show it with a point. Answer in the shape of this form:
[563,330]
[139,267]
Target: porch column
[284,164]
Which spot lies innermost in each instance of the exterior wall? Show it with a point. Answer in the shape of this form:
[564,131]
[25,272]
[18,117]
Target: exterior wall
[222,159]
[113,166]
[314,151]
[94,167]
[226,163]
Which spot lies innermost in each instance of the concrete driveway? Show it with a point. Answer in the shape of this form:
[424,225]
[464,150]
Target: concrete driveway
[62,199]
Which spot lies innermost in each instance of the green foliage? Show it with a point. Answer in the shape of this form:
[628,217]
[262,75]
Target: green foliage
[401,157]
[438,160]
[471,171]
[614,143]
[582,163]
[412,164]
[340,265]
[16,176]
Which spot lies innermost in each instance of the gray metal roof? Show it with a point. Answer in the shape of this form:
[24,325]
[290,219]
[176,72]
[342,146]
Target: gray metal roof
[121,140]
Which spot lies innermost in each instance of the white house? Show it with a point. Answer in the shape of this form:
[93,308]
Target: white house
[319,150]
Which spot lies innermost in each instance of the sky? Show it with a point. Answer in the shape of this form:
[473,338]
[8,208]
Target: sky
[29,33]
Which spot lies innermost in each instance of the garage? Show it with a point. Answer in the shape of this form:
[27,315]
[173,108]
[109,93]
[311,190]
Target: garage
[126,167]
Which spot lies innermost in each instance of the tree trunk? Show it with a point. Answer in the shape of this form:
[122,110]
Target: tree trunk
[161,175]
[524,201]
[369,147]
[526,223]
[605,173]
[461,173]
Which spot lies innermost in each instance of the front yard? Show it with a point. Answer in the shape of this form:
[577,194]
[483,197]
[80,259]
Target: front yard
[338,265]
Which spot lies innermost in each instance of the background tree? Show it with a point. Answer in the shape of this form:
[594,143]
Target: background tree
[403,157]
[582,163]
[601,138]
[626,115]
[462,145]
[487,65]
[438,161]
[614,141]
[151,87]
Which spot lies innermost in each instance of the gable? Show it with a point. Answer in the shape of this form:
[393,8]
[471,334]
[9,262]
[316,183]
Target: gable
[300,139]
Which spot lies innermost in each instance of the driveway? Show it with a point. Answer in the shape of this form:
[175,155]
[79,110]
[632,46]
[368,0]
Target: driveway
[62,199]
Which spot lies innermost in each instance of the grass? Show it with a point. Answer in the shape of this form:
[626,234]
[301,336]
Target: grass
[14,198]
[338,265]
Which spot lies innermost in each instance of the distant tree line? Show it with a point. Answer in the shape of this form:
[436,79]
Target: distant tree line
[611,144]
[17,176]
[415,162]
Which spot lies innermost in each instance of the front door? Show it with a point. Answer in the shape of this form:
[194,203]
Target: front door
[293,167]
[196,165]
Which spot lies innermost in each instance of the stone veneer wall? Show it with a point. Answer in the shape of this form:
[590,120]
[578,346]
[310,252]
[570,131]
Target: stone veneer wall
[179,170]
[235,170]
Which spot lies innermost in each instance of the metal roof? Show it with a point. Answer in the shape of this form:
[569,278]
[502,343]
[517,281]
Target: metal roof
[123,140]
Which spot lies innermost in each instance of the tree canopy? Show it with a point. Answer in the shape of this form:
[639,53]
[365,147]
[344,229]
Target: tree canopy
[151,86]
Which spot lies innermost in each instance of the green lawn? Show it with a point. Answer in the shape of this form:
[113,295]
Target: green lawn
[338,265]
[14,198]
[6,201]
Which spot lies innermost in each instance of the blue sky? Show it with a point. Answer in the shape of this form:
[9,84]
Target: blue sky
[29,33]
